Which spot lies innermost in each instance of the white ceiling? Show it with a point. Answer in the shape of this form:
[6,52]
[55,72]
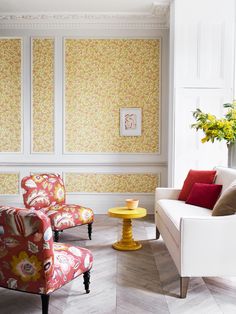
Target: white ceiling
[46,6]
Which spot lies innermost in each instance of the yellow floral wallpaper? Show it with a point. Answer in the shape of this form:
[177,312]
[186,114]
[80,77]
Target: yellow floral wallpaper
[102,76]
[9,183]
[111,183]
[43,94]
[10,95]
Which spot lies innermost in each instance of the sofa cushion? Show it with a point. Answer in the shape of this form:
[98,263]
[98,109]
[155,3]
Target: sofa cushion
[204,195]
[196,176]
[171,212]
[225,176]
[226,204]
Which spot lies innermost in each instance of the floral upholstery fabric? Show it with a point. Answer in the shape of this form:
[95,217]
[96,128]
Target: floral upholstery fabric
[29,260]
[69,262]
[66,216]
[43,190]
[47,193]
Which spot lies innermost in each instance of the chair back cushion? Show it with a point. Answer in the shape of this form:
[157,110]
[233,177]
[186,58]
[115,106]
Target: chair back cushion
[26,250]
[43,190]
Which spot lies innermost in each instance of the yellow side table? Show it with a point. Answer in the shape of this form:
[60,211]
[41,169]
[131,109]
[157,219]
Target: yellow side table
[127,242]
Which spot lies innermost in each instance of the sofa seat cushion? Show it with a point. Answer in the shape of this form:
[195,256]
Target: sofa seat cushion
[171,212]
[66,216]
[69,262]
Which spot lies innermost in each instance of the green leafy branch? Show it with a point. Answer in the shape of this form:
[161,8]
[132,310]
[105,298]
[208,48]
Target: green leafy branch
[214,128]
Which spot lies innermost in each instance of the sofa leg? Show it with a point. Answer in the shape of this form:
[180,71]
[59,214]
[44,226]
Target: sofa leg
[184,281]
[86,281]
[157,233]
[90,230]
[56,236]
[45,303]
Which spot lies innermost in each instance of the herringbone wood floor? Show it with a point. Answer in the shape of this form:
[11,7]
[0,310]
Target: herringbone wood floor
[145,281]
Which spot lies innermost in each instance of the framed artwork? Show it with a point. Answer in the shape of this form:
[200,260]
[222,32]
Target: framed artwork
[130,121]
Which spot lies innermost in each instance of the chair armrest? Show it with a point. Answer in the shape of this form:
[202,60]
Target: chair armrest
[208,246]
[167,193]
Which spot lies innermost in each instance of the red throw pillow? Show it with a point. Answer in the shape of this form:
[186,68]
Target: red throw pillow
[196,176]
[204,195]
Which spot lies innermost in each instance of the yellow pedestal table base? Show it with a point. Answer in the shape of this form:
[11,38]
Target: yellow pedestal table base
[127,242]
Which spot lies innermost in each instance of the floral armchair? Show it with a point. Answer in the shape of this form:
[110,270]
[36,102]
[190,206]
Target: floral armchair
[31,262]
[47,193]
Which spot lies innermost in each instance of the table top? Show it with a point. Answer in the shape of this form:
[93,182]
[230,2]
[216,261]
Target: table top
[125,213]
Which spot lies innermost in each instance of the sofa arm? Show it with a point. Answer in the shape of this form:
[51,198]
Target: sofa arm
[208,246]
[167,193]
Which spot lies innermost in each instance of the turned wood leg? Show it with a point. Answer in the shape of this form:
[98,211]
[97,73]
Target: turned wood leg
[86,281]
[56,236]
[127,232]
[184,281]
[45,303]
[157,233]
[90,230]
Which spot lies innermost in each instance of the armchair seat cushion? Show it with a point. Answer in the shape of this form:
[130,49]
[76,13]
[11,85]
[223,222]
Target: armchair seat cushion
[66,216]
[69,262]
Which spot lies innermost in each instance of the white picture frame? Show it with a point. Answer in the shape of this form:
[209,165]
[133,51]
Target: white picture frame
[130,121]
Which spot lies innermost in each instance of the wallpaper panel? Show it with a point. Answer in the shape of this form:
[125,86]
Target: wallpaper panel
[111,183]
[102,76]
[10,95]
[9,183]
[43,94]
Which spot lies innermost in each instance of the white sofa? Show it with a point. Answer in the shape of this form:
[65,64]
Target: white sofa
[200,245]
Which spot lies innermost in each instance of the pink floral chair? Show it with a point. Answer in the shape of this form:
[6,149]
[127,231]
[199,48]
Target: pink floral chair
[29,259]
[47,193]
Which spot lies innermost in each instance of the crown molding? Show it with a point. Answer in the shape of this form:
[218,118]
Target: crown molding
[75,164]
[157,19]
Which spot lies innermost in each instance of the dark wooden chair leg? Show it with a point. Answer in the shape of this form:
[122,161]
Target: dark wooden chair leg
[56,236]
[90,230]
[184,281]
[45,303]
[157,233]
[86,281]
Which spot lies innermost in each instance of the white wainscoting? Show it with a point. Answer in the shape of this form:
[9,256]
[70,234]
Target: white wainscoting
[100,202]
[202,75]
[107,27]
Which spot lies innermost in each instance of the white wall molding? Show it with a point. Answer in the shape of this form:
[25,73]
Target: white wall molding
[72,164]
[22,78]
[99,202]
[201,75]
[158,19]
[110,163]
[31,93]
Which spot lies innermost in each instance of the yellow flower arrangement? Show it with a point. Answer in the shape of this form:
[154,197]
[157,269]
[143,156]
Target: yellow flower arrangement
[217,129]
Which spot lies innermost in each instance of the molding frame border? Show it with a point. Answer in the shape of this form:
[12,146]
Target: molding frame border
[157,19]
[22,77]
[160,78]
[31,95]
[19,182]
